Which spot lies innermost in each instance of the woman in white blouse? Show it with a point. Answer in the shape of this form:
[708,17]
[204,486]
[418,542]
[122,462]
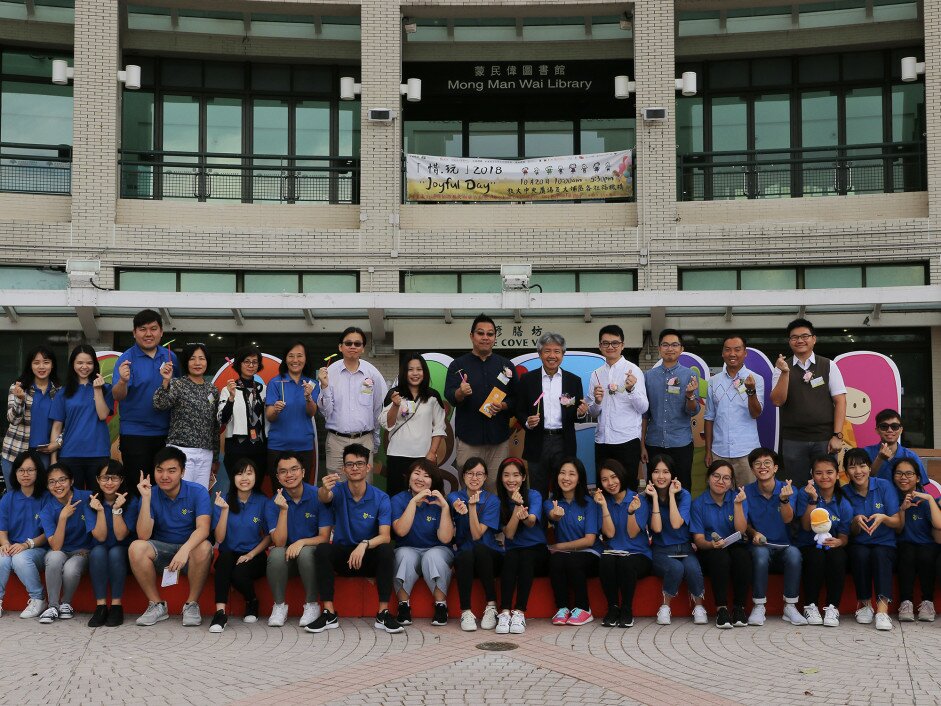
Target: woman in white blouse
[414,417]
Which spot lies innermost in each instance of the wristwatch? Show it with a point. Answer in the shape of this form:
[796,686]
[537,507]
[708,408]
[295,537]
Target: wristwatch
[117,511]
[750,393]
[31,543]
[785,501]
[838,435]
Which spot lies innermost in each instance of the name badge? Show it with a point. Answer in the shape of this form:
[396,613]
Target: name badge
[503,378]
[673,389]
[816,382]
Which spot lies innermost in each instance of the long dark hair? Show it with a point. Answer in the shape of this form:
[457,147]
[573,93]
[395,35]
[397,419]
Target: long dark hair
[116,468]
[618,470]
[824,458]
[425,392]
[71,377]
[671,467]
[232,496]
[26,378]
[39,488]
[507,506]
[581,487]
[898,461]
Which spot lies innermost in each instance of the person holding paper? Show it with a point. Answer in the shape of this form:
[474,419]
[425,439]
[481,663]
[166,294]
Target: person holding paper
[715,516]
[549,403]
[291,403]
[770,512]
[481,386]
[172,534]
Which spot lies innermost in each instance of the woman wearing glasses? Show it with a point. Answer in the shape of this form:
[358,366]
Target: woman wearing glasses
[22,540]
[242,413]
[28,405]
[290,406]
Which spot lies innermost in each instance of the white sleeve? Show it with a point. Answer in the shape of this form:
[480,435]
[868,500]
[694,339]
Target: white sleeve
[836,384]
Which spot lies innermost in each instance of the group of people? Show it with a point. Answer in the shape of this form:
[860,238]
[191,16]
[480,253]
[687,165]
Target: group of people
[70,508]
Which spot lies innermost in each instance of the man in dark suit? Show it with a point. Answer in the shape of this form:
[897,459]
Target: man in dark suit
[548,402]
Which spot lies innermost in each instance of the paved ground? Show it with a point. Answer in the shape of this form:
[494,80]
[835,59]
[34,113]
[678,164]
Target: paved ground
[68,663]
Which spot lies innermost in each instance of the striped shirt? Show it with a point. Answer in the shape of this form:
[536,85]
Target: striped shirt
[19,415]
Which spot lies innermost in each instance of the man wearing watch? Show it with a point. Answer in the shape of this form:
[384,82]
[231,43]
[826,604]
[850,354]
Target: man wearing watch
[809,390]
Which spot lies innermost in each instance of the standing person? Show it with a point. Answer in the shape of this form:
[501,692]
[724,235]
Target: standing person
[733,404]
[143,430]
[29,402]
[889,427]
[22,539]
[673,399]
[112,523]
[480,429]
[619,401]
[809,390]
[242,413]
[352,393]
[291,403]
[549,402]
[414,417]
[63,522]
[192,401]
[80,436]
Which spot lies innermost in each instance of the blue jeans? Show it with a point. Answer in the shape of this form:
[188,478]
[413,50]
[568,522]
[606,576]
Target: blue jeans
[108,566]
[26,565]
[872,563]
[672,571]
[786,561]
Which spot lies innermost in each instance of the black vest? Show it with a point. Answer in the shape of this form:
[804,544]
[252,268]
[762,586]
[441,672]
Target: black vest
[808,413]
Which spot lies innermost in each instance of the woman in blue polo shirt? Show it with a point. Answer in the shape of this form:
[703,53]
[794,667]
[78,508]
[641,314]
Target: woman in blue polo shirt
[823,563]
[28,405]
[574,556]
[626,545]
[918,554]
[421,522]
[718,513]
[875,507]
[22,540]
[673,558]
[525,541]
[241,529]
[476,519]
[291,403]
[112,523]
[63,520]
[79,414]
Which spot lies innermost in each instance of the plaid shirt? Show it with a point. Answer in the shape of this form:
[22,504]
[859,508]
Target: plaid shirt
[18,414]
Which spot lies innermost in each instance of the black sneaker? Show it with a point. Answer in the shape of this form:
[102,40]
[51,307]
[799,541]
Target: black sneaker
[218,622]
[611,619]
[385,621]
[626,619]
[739,619]
[99,617]
[723,620]
[441,614]
[251,611]
[404,616]
[326,621]
[115,616]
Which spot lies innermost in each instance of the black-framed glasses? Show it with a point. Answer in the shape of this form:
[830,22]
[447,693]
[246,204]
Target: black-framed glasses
[110,479]
[354,464]
[292,469]
[905,474]
[890,426]
[611,344]
[671,345]
[57,481]
[800,337]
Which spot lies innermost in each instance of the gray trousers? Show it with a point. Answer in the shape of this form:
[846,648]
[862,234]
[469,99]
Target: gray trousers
[280,569]
[432,563]
[797,456]
[63,572]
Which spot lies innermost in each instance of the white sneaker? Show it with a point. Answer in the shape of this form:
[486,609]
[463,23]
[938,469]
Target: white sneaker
[792,615]
[489,619]
[883,621]
[66,611]
[468,621]
[926,611]
[812,614]
[864,615]
[311,613]
[517,623]
[757,615]
[49,615]
[906,612]
[279,613]
[34,608]
[699,615]
[663,615]
[831,617]
[503,624]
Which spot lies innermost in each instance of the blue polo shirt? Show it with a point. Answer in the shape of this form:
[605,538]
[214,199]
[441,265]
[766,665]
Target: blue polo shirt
[76,533]
[305,517]
[885,470]
[917,528]
[881,498]
[39,422]
[577,521]
[244,529]
[669,536]
[840,515]
[488,514]
[175,520]
[529,536]
[424,531]
[20,516]
[764,514]
[668,414]
[706,516]
[356,521]
[131,511]
[137,414]
[84,435]
[293,430]
[622,541]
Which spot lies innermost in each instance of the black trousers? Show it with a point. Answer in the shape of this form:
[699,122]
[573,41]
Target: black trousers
[331,560]
[519,567]
[480,562]
[682,458]
[823,567]
[627,454]
[720,565]
[921,561]
[396,470]
[242,576]
[619,577]
[569,572]
[137,454]
[541,469]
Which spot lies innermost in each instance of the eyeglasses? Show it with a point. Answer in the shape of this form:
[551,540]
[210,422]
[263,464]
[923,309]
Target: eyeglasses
[26,471]
[611,344]
[800,337]
[253,362]
[893,426]
[722,479]
[354,464]
[476,475]
[57,481]
[291,470]
[110,479]
[905,474]
[353,344]
[763,464]
[671,345]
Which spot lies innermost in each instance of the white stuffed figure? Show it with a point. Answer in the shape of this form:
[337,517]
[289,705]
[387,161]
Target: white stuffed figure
[820,523]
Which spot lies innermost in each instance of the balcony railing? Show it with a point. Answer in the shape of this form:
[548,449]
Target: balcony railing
[883,168]
[247,178]
[27,168]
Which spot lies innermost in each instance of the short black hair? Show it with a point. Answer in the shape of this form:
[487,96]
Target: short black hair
[189,350]
[669,332]
[762,452]
[170,453]
[716,465]
[825,458]
[357,451]
[115,468]
[64,467]
[617,468]
[247,352]
[147,316]
[801,323]
[437,479]
[612,330]
[887,414]
[308,361]
[730,336]
[32,455]
[482,319]
[856,457]
[353,329]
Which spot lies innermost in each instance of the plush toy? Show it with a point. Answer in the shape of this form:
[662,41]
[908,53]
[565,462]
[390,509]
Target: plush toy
[820,524]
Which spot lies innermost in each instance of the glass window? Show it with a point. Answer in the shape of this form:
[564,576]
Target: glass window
[819,122]
[728,74]
[771,72]
[181,73]
[481,282]
[695,280]
[908,112]
[147,281]
[36,113]
[607,135]
[772,122]
[32,278]
[137,120]
[315,79]
[729,124]
[895,275]
[270,282]
[431,282]
[434,137]
[21,64]
[230,75]
[224,125]
[758,19]
[269,136]
[891,10]
[864,116]
[207,282]
[819,69]
[180,124]
[349,129]
[833,277]
[832,14]
[554,281]
[769,278]
[485,29]
[694,23]
[606,282]
[312,126]
[552,29]
[329,282]
[548,139]
[689,125]
[494,140]
[271,77]
[863,65]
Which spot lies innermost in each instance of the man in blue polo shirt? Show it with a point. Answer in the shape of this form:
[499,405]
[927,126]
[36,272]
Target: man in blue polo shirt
[889,426]
[298,522]
[172,529]
[143,429]
[361,538]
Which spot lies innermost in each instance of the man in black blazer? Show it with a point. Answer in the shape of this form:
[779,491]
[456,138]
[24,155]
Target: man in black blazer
[548,402]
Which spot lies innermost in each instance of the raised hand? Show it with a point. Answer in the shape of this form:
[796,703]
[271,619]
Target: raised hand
[95,504]
[460,507]
[787,490]
[781,364]
[634,505]
[308,388]
[811,490]
[750,383]
[421,496]
[556,513]
[532,421]
[69,509]
[144,486]
[522,512]
[330,480]
[230,388]
[517,498]
[693,387]
[98,382]
[396,399]
[166,371]
[465,387]
[598,393]
[886,451]
[630,381]
[322,377]
[740,496]
[18,391]
[124,371]
[436,498]
[675,486]
[220,501]
[650,490]
[119,501]
[473,498]
[598,497]
[280,500]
